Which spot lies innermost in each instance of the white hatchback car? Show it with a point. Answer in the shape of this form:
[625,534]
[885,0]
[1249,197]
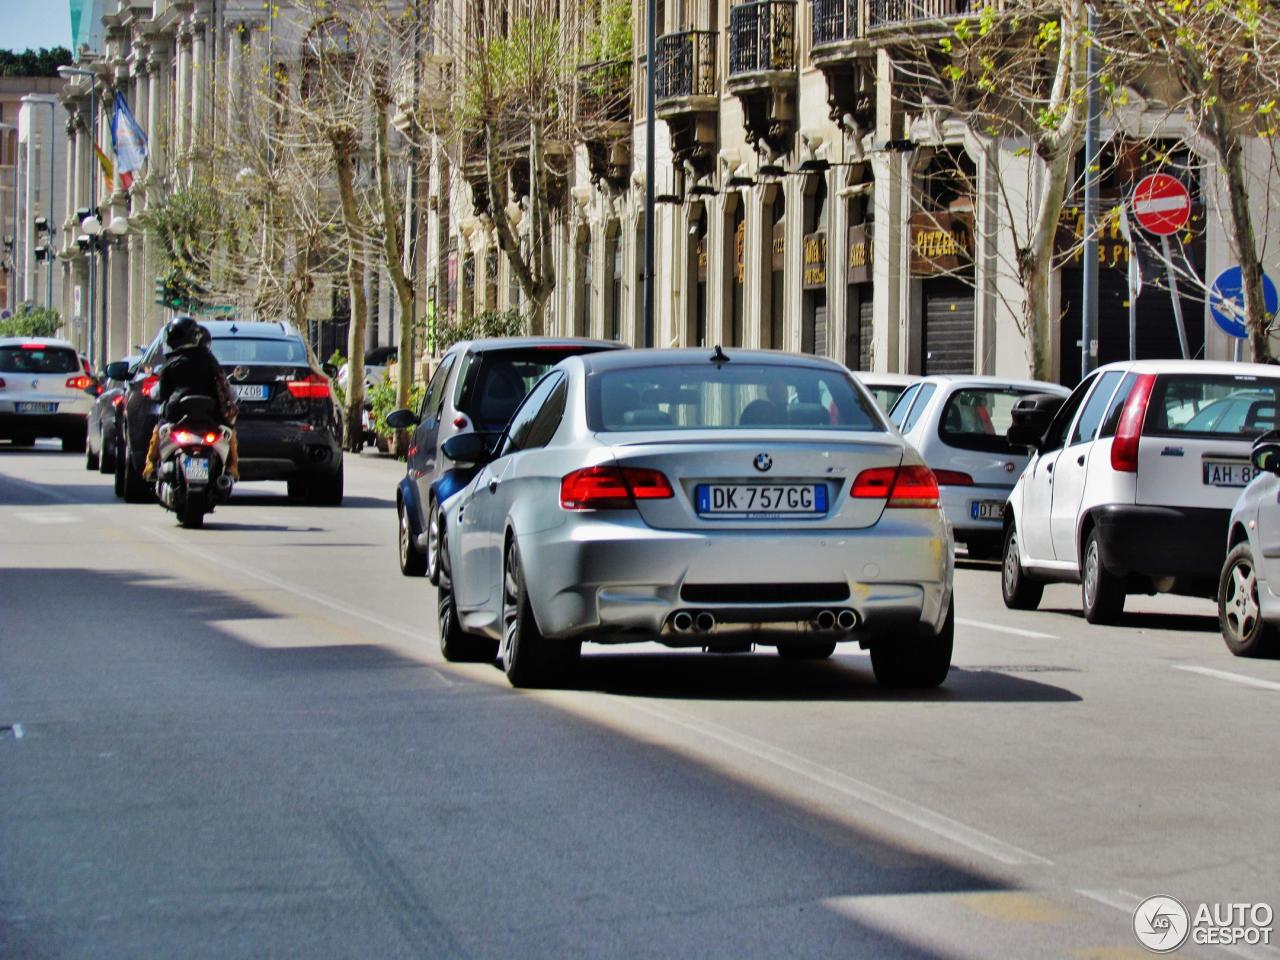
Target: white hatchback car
[1133,480]
[886,388]
[43,388]
[958,425]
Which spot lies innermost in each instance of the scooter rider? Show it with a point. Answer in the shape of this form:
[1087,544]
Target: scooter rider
[190,368]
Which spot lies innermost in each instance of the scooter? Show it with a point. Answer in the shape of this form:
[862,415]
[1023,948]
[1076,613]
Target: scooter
[193,451]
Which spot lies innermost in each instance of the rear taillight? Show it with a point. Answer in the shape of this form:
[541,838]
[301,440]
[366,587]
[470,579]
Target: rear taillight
[151,386]
[311,387]
[117,400]
[906,487]
[1,383]
[185,438]
[1124,449]
[953,478]
[80,383]
[612,488]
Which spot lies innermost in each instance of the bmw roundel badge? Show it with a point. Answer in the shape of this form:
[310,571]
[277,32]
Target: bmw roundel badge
[763,462]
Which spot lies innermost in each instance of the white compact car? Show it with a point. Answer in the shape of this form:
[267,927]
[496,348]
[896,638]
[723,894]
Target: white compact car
[958,424]
[1133,481]
[1248,602]
[886,388]
[43,388]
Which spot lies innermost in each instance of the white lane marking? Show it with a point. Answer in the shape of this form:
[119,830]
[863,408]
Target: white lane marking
[47,516]
[299,592]
[883,800]
[1127,903]
[1015,631]
[17,731]
[1239,678]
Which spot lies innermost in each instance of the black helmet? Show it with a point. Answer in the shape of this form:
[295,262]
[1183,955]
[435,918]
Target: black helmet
[182,332]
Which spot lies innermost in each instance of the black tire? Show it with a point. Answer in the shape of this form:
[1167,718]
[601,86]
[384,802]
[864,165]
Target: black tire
[118,472]
[134,488]
[434,527]
[297,487]
[91,460]
[107,456]
[412,562]
[456,645]
[1020,592]
[326,490]
[75,444]
[984,549]
[23,441]
[1101,593]
[806,649]
[915,663]
[529,658]
[1244,631]
[193,510]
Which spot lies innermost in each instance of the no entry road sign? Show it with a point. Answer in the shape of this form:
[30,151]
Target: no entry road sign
[1161,204]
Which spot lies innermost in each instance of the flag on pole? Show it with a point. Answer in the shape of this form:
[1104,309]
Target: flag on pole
[108,168]
[128,141]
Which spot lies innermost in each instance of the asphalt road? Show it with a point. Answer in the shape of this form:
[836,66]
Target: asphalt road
[242,742]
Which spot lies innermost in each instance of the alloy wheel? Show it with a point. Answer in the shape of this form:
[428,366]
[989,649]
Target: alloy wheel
[1091,567]
[1242,600]
[1010,568]
[510,609]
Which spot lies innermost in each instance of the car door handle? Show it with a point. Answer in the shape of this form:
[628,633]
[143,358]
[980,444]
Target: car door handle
[1048,468]
[493,486]
[1080,460]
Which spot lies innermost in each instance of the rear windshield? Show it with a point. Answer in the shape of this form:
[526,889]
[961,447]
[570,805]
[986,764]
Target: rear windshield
[976,418]
[251,350]
[1212,406]
[499,379]
[885,395]
[730,396]
[21,359]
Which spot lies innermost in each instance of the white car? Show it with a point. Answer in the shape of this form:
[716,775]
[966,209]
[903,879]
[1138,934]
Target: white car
[958,425]
[43,388]
[1133,481]
[886,387]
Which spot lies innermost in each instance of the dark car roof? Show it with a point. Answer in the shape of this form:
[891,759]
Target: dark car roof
[249,328]
[519,343]
[629,359]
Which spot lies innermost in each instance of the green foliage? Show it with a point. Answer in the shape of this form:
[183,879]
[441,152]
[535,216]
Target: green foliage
[383,400]
[31,321]
[186,227]
[516,73]
[611,38]
[34,63]
[490,323]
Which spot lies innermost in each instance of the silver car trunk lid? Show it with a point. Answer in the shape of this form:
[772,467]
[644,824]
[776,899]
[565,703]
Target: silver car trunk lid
[703,465]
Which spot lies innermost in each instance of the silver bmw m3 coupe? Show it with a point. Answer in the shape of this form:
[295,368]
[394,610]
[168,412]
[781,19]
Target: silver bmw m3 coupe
[697,498]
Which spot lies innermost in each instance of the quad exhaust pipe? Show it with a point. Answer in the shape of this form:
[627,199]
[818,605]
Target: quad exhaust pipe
[685,621]
[704,622]
[682,622]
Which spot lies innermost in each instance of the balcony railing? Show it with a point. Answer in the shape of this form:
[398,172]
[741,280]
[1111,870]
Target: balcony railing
[604,92]
[762,36]
[883,13]
[685,64]
[834,21]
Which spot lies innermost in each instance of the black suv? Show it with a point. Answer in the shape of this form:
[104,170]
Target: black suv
[289,426]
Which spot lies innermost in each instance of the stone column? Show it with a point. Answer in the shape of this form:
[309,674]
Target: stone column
[157,100]
[70,185]
[235,79]
[888,270]
[199,85]
[182,108]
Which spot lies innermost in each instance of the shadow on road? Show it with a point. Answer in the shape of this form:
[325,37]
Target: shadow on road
[764,676]
[1175,622]
[350,781]
[256,499]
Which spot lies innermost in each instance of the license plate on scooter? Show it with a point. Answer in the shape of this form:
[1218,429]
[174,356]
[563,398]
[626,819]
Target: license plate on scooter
[195,468]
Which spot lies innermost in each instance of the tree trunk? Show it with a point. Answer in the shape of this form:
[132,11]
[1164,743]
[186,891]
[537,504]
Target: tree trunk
[393,255]
[1241,236]
[344,168]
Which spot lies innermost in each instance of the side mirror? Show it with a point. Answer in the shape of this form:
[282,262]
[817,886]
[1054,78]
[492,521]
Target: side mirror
[401,419]
[1266,456]
[468,449]
[1031,417]
[1027,434]
[119,370]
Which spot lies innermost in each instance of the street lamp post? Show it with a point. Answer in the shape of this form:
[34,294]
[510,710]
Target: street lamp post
[95,346]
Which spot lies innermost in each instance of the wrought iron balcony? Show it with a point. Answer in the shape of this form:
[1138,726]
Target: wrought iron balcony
[686,71]
[891,13]
[604,94]
[834,21]
[762,37]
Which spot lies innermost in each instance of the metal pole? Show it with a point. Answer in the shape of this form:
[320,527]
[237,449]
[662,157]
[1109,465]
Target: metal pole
[1089,320]
[96,358]
[650,165]
[1177,301]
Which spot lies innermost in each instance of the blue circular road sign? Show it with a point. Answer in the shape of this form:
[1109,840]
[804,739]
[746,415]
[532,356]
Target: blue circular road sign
[1226,301]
